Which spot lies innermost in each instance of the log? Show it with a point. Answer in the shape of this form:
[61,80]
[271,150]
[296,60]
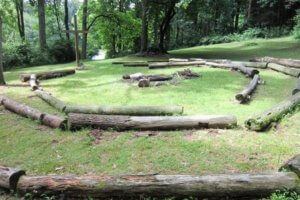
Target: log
[136,64]
[135,76]
[261,65]
[244,96]
[144,83]
[54,102]
[219,65]
[246,70]
[119,122]
[281,61]
[2,99]
[262,121]
[22,109]
[54,121]
[9,177]
[285,70]
[178,60]
[297,87]
[292,165]
[47,75]
[33,82]
[139,76]
[126,110]
[159,65]
[222,186]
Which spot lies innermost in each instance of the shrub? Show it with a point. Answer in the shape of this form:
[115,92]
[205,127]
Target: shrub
[62,51]
[296,32]
[285,195]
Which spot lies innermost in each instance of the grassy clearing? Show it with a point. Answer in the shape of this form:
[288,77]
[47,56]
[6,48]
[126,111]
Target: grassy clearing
[27,145]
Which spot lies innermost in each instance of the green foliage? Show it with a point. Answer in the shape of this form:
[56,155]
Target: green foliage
[296,31]
[285,195]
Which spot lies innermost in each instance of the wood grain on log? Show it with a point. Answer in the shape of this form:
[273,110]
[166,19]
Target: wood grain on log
[126,110]
[47,75]
[263,120]
[285,70]
[54,121]
[33,82]
[245,94]
[56,103]
[77,121]
[297,87]
[174,64]
[221,186]
[282,61]
[9,177]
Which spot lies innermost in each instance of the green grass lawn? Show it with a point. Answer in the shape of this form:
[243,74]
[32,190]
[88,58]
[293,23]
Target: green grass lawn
[26,144]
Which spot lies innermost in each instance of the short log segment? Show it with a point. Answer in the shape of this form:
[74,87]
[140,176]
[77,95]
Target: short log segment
[263,120]
[33,82]
[221,186]
[47,75]
[295,90]
[9,177]
[159,65]
[285,70]
[54,102]
[280,61]
[119,122]
[126,110]
[54,121]
[244,96]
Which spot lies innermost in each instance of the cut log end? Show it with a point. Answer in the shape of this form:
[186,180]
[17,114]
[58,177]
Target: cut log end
[144,83]
[9,177]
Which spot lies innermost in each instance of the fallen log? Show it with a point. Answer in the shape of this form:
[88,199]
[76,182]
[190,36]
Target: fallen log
[174,64]
[246,70]
[281,61]
[188,74]
[33,82]
[244,96]
[285,70]
[121,122]
[292,165]
[135,76]
[47,75]
[178,60]
[2,99]
[297,87]
[262,121]
[9,178]
[136,64]
[126,110]
[222,186]
[261,65]
[144,83]
[54,121]
[56,103]
[219,65]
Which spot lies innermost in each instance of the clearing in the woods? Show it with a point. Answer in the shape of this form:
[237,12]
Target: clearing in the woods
[27,145]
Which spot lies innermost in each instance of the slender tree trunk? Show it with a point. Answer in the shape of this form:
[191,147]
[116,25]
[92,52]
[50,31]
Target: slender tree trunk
[2,81]
[67,20]
[144,35]
[56,13]
[20,17]
[84,28]
[42,24]
[237,18]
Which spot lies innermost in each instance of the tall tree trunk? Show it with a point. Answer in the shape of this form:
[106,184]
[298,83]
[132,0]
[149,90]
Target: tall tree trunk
[42,24]
[67,20]
[20,17]
[237,18]
[56,13]
[144,35]
[2,81]
[84,28]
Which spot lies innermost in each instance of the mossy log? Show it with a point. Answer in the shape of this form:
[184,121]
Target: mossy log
[126,110]
[297,87]
[159,65]
[222,186]
[136,64]
[9,178]
[285,70]
[118,122]
[281,61]
[47,75]
[33,82]
[244,96]
[51,100]
[262,121]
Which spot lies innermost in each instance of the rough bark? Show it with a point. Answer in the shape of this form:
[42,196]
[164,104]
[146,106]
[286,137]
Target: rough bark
[222,186]
[54,121]
[66,19]
[2,81]
[244,96]
[135,64]
[47,75]
[281,61]
[42,24]
[33,82]
[262,121]
[54,102]
[292,165]
[84,28]
[9,177]
[77,121]
[174,64]
[285,70]
[297,87]
[126,110]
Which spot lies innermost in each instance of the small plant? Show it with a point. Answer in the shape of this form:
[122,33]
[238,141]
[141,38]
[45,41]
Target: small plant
[285,195]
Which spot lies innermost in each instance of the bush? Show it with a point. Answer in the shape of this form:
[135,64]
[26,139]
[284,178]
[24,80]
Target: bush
[296,32]
[62,51]
[285,195]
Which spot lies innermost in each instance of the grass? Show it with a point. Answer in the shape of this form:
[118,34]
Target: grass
[26,144]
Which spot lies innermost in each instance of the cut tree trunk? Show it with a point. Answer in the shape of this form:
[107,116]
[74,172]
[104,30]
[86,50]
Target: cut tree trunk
[178,60]
[9,177]
[219,65]
[47,75]
[126,110]
[144,83]
[281,61]
[261,65]
[297,88]
[33,82]
[244,96]
[222,186]
[56,103]
[136,64]
[159,65]
[262,121]
[77,121]
[139,76]
[285,70]
[54,121]
[246,70]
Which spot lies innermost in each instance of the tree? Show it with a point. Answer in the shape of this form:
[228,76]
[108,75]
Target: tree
[19,5]
[84,28]
[66,19]
[144,33]
[42,24]
[56,11]
[2,81]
